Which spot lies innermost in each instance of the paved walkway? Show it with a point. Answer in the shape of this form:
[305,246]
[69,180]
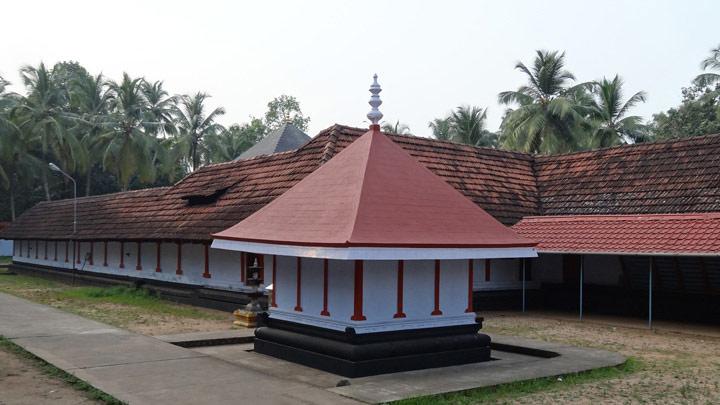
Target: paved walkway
[140,369]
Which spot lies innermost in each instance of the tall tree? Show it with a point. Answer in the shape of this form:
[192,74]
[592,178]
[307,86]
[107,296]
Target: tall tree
[549,113]
[609,114]
[229,144]
[285,109]
[468,127]
[441,129]
[160,109]
[396,128]
[698,114]
[712,62]
[194,124]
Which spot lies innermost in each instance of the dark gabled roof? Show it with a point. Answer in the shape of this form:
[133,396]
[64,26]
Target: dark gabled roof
[373,194]
[664,177]
[284,138]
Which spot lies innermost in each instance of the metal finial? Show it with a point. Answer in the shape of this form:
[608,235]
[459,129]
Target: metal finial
[375,115]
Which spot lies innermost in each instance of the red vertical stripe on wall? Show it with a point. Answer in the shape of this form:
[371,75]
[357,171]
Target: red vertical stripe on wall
[470,286]
[358,287]
[243,266]
[487,269]
[138,267]
[178,268]
[92,252]
[122,255]
[298,285]
[45,257]
[437,310]
[400,288]
[206,272]
[158,269]
[273,303]
[325,311]
[105,253]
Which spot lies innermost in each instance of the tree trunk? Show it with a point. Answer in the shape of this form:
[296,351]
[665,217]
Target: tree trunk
[46,185]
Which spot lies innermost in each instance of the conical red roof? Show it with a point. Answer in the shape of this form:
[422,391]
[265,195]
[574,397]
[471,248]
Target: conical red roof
[374,194]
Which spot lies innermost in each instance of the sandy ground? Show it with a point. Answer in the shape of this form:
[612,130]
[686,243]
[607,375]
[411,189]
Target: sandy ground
[674,368]
[23,383]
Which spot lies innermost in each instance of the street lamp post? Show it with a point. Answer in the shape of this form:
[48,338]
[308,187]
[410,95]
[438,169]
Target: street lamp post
[54,168]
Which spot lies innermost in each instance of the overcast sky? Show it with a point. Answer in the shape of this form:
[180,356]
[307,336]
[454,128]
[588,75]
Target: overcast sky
[430,55]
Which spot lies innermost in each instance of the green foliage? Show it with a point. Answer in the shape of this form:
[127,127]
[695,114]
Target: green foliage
[285,109]
[610,124]
[510,391]
[397,128]
[465,124]
[698,114]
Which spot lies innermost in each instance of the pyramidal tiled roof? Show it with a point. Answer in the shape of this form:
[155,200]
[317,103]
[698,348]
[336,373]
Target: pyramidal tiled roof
[284,138]
[373,193]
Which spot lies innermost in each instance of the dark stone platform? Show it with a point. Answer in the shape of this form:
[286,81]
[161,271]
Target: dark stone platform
[358,355]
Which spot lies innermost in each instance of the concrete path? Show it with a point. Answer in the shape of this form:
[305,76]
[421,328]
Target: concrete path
[140,369]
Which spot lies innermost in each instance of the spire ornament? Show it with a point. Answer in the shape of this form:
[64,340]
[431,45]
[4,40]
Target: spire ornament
[375,115]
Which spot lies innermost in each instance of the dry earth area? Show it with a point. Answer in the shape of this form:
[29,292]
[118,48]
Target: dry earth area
[674,368]
[21,382]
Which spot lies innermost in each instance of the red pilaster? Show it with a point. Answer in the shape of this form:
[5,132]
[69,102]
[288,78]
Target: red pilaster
[243,267]
[325,311]
[67,249]
[470,286]
[400,288]
[45,256]
[55,257]
[206,272]
[358,287]
[92,252]
[487,269]
[273,303]
[437,310]
[122,255]
[158,269]
[178,269]
[138,266]
[298,285]
[105,253]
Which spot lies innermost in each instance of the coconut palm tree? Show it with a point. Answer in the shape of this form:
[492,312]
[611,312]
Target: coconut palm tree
[397,128]
[193,125]
[128,150]
[467,125]
[44,113]
[712,62]
[608,112]
[160,108]
[229,144]
[549,113]
[441,129]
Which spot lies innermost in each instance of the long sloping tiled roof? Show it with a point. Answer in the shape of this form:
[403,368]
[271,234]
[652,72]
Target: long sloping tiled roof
[672,234]
[501,182]
[665,177]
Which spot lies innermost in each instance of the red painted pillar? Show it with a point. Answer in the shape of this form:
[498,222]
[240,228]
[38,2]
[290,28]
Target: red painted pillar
[358,287]
[273,303]
[45,256]
[55,258]
[400,287]
[243,267]
[487,269]
[206,273]
[67,248]
[122,255]
[298,285]
[138,267]
[178,269]
[92,252]
[158,269]
[470,286]
[437,310]
[325,311]
[105,253]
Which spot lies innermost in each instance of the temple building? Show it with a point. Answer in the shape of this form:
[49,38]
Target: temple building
[628,230]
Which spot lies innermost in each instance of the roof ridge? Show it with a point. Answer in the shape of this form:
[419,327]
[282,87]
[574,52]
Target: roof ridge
[621,217]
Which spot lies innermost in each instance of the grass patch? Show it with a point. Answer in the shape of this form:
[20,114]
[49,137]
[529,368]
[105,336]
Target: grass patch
[521,388]
[5,260]
[54,372]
